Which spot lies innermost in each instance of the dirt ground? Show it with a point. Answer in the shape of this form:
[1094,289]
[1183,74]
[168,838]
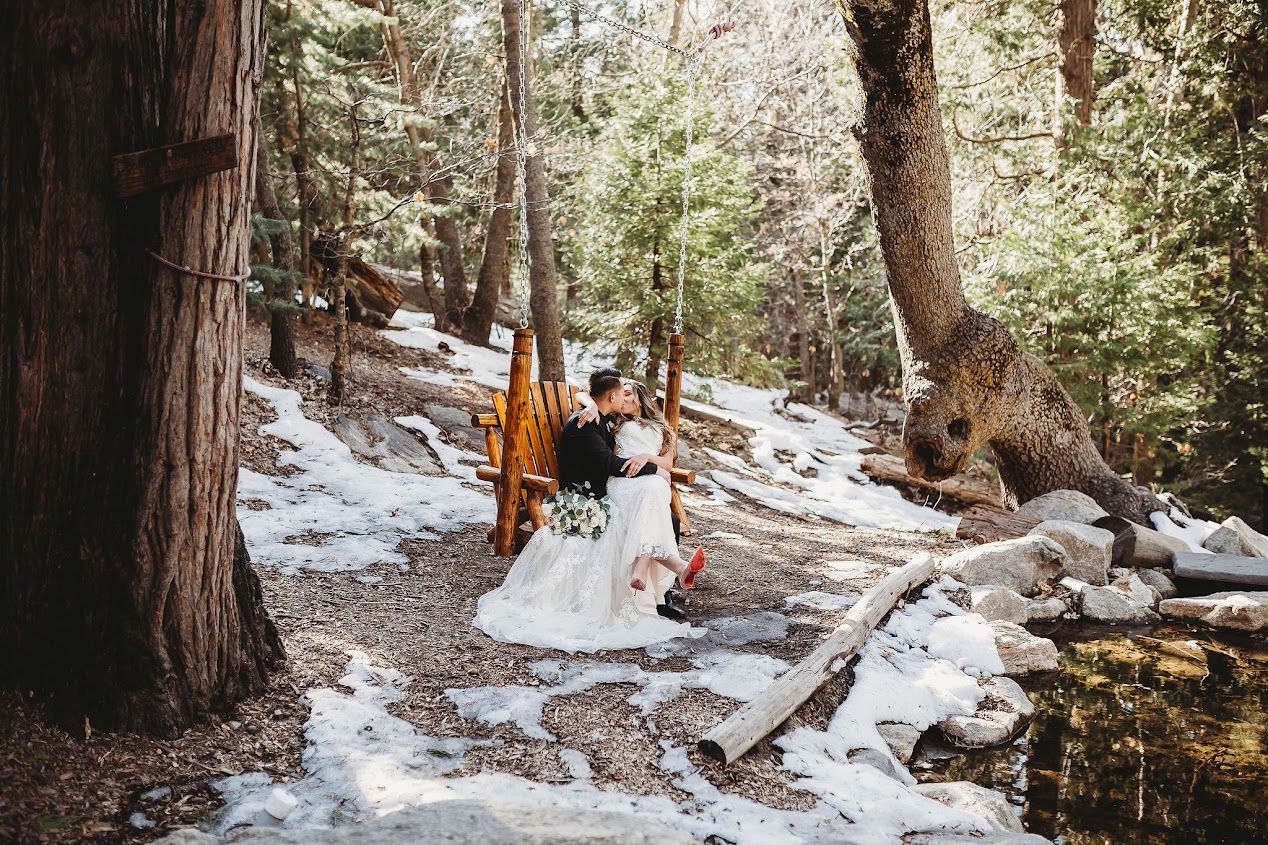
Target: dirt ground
[55,787]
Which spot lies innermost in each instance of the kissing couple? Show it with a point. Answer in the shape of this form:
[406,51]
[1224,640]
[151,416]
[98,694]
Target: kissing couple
[586,593]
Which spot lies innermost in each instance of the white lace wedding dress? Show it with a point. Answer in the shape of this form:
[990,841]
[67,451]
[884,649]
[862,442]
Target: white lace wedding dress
[573,593]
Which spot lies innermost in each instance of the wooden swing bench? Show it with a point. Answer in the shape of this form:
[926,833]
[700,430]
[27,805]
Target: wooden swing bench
[543,411]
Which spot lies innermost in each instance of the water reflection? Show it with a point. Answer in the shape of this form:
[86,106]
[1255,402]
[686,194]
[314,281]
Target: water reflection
[1157,739]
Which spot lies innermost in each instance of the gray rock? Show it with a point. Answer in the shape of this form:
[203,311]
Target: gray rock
[1116,572]
[900,738]
[483,822]
[1137,590]
[987,804]
[1020,564]
[1022,652]
[1088,549]
[188,836]
[1047,610]
[1158,579]
[1235,537]
[317,371]
[1239,570]
[457,424]
[385,444]
[1113,607]
[1000,716]
[1238,610]
[1068,505]
[1002,604]
[877,760]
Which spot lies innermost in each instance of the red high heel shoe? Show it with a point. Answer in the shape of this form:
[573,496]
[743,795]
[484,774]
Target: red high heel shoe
[697,565]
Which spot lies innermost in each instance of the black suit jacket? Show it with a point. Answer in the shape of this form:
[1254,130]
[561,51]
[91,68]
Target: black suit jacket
[586,453]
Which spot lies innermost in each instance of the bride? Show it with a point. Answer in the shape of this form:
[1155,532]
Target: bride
[575,593]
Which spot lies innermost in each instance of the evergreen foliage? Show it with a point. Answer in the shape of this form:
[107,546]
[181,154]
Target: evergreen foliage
[626,249]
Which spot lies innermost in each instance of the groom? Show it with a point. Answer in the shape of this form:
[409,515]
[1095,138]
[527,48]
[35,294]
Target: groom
[587,453]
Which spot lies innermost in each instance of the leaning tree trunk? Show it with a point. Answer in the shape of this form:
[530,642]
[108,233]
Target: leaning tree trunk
[477,320]
[127,598]
[541,245]
[966,381]
[282,308]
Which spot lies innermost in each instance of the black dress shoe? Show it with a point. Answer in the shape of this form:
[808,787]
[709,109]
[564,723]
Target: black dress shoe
[671,611]
[673,606]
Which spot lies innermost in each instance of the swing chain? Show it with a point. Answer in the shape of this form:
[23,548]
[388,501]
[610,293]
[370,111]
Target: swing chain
[693,72]
[629,30]
[521,166]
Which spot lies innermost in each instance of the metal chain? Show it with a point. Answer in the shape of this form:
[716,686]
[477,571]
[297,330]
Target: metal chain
[521,167]
[629,30]
[693,71]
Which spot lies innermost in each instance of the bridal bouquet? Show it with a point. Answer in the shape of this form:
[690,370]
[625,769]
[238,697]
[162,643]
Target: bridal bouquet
[573,512]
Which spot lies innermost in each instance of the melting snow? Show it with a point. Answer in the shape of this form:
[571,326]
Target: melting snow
[349,515]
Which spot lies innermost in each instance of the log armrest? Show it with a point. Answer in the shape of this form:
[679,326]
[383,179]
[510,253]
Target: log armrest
[485,420]
[683,476]
[536,483]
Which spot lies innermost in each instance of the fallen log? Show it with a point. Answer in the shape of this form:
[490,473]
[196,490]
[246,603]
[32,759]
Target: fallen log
[373,297]
[989,523]
[696,411]
[746,727]
[1143,548]
[892,468]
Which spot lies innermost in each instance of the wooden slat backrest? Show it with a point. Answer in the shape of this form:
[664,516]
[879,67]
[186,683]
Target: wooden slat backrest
[552,403]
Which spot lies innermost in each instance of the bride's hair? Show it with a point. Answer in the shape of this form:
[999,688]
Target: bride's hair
[650,414]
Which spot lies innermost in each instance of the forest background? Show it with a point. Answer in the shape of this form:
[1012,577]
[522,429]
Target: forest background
[1109,172]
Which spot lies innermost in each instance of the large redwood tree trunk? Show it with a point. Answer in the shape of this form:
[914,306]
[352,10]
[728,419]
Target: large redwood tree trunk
[1076,48]
[126,594]
[965,380]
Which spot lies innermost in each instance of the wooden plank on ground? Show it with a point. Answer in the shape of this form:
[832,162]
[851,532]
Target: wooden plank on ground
[1226,569]
[748,725]
[149,170]
[989,523]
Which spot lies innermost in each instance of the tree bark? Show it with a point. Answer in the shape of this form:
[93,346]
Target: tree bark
[965,380]
[1076,47]
[340,364]
[541,245]
[127,598]
[477,320]
[435,187]
[282,308]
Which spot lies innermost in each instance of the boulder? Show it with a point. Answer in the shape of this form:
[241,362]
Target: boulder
[1022,652]
[1020,564]
[1158,579]
[1137,590]
[1088,549]
[1069,505]
[987,804]
[1113,607]
[1235,537]
[878,760]
[472,822]
[1001,604]
[1238,610]
[1000,716]
[385,444]
[900,738]
[457,423]
[1047,610]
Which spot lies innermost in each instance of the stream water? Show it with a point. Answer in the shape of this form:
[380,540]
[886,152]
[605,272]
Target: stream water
[1157,738]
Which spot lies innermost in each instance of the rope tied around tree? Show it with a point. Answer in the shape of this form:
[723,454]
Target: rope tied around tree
[220,277]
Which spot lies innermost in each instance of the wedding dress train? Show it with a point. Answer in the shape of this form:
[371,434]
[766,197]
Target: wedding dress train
[573,593]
